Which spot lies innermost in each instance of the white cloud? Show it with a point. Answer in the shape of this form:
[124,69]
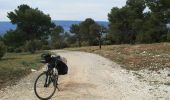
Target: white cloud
[65,9]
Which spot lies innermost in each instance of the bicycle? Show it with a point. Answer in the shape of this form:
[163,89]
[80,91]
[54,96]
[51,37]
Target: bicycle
[47,82]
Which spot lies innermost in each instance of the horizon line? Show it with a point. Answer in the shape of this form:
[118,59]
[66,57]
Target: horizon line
[63,20]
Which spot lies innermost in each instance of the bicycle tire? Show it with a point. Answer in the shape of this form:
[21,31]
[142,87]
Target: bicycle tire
[54,85]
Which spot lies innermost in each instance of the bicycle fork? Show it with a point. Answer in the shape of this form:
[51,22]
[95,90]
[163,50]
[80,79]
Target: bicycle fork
[47,81]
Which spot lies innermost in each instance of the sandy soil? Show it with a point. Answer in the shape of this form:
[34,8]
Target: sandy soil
[90,77]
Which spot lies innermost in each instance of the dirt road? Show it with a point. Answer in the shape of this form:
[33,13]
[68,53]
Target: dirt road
[91,77]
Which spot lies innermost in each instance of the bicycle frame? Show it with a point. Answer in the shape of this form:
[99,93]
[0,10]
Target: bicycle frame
[50,71]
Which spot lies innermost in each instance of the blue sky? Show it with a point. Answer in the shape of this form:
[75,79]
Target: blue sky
[65,9]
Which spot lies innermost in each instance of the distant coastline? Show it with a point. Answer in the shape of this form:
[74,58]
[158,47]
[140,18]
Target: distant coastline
[6,25]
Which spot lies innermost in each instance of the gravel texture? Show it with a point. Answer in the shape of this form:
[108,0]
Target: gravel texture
[91,77]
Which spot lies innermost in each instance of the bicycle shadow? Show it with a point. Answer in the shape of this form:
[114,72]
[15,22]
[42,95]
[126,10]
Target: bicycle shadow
[74,85]
[76,90]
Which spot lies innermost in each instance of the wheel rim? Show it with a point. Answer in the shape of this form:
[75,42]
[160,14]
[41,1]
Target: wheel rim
[42,90]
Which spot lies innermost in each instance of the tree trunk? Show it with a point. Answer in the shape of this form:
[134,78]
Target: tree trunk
[100,46]
[79,42]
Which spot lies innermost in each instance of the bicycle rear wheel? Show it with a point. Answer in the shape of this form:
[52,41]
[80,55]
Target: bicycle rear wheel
[45,85]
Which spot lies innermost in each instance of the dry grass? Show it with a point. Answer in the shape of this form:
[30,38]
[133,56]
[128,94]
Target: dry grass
[135,57]
[16,65]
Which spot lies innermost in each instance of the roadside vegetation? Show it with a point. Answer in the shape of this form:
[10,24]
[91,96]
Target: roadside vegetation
[135,57]
[139,22]
[14,66]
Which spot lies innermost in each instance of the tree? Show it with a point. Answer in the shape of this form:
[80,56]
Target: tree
[85,30]
[33,22]
[160,15]
[1,38]
[75,29]
[102,34]
[97,31]
[160,9]
[56,32]
[119,25]
[56,36]
[144,37]
[33,45]
[130,23]
[137,7]
[168,36]
[14,38]
[2,49]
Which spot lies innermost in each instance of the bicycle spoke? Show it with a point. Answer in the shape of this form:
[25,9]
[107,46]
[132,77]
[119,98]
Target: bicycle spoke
[42,90]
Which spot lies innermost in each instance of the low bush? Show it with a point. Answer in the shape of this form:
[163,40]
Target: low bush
[18,50]
[2,49]
[30,46]
[168,36]
[46,47]
[10,49]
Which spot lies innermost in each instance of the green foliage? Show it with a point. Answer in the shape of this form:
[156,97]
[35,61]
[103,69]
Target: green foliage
[2,49]
[119,25]
[32,24]
[160,9]
[131,24]
[14,38]
[56,33]
[14,67]
[86,33]
[32,21]
[90,32]
[33,45]
[75,29]
[46,47]
[144,38]
[125,22]
[10,49]
[168,36]
[18,50]
[1,39]
[38,44]
[57,37]
[85,30]
[95,34]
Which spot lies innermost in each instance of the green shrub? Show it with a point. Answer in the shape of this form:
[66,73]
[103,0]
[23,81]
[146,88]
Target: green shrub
[85,43]
[107,42]
[10,49]
[46,47]
[168,36]
[33,45]
[55,45]
[2,49]
[18,50]
[38,44]
[30,46]
[144,38]
[59,45]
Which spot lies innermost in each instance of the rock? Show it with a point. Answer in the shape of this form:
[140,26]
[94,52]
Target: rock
[33,70]
[168,75]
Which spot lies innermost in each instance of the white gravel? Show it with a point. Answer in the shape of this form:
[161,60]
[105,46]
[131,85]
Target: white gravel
[91,77]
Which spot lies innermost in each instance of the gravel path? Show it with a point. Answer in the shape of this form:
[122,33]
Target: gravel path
[91,77]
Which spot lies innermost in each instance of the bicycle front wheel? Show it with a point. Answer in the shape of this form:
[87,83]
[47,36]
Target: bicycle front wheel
[45,86]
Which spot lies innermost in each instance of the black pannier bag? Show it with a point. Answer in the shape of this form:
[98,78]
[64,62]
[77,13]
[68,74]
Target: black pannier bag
[61,66]
[55,62]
